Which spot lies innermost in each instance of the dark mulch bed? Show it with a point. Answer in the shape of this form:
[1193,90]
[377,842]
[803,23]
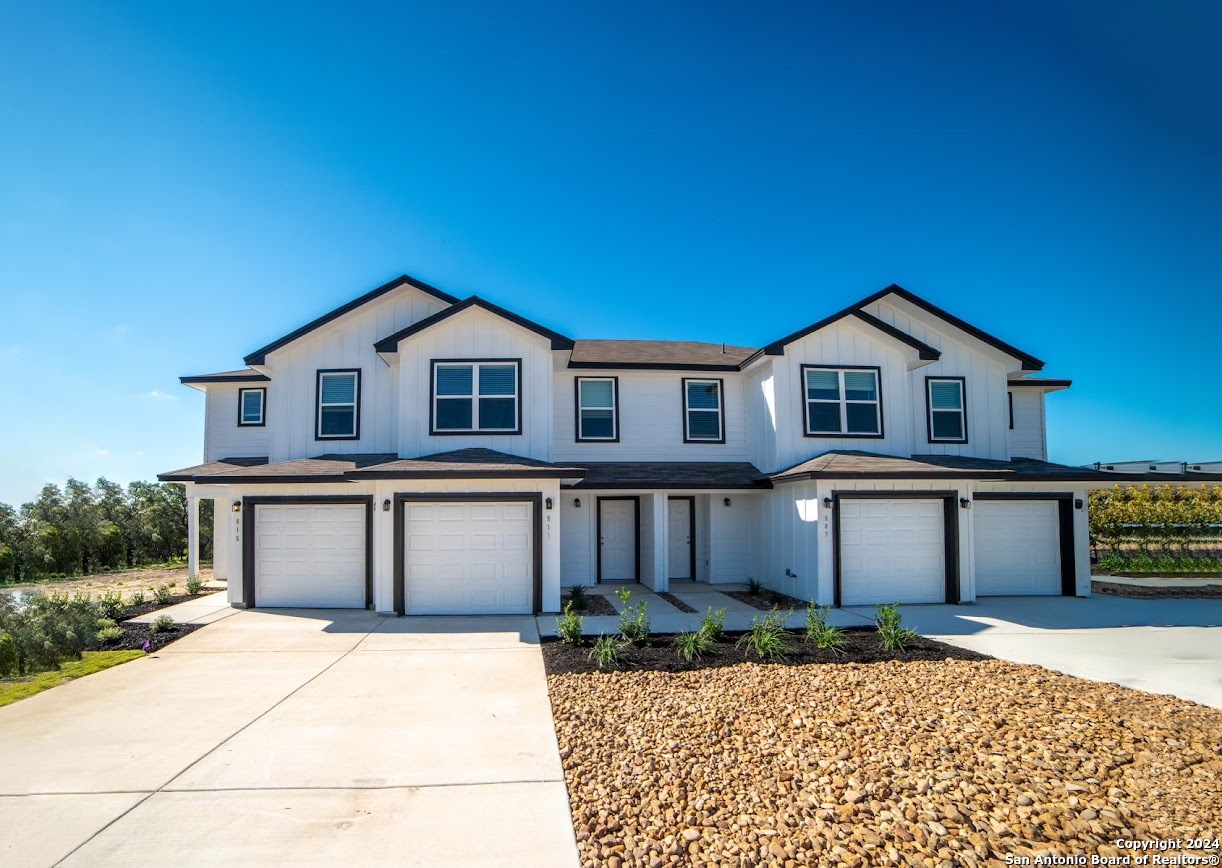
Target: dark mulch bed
[659,654]
[676,602]
[152,605]
[1130,574]
[596,604]
[135,635]
[1139,592]
[766,600]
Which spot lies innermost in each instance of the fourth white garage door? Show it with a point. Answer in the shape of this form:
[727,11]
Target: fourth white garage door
[892,551]
[1017,546]
[467,558]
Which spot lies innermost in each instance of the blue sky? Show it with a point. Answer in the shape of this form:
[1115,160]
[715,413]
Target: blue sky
[181,183]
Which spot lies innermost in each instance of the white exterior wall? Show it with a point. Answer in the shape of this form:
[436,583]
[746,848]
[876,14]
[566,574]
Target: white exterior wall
[650,418]
[759,398]
[473,334]
[1028,438]
[345,343]
[223,437]
[789,526]
[729,536]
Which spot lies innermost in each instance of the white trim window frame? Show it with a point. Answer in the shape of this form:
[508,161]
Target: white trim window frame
[593,410]
[938,407]
[339,399]
[713,387]
[247,420]
[486,392]
[845,395]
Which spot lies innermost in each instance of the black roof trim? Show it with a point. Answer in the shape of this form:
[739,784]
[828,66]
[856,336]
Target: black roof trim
[777,348]
[259,356]
[391,344]
[226,377]
[1040,381]
[1030,362]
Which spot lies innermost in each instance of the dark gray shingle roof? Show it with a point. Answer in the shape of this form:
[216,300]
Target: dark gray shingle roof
[673,474]
[680,355]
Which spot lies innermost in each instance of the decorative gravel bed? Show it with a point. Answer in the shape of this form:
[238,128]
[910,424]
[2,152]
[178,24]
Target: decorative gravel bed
[151,605]
[920,762]
[1143,592]
[676,602]
[596,604]
[766,600]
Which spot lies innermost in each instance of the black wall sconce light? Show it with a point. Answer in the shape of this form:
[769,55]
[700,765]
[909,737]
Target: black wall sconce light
[1077,503]
[237,506]
[827,501]
[386,505]
[964,503]
[577,502]
[547,504]
[727,501]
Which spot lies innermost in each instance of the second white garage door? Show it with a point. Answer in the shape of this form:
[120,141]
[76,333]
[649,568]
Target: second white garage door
[1017,546]
[467,558]
[310,555]
[892,551]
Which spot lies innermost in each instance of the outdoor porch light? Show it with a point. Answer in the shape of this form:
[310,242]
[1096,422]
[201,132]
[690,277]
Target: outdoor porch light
[237,506]
[827,501]
[577,502]
[1077,503]
[964,503]
[548,503]
[727,501]
[386,505]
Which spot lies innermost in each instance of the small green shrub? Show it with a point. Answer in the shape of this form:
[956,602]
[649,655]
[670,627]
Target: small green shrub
[110,603]
[164,594]
[624,595]
[767,637]
[136,598]
[754,586]
[194,585]
[1143,562]
[110,634]
[569,625]
[822,634]
[162,624]
[713,624]
[1113,562]
[693,645]
[103,623]
[634,622]
[8,655]
[578,598]
[607,651]
[891,635]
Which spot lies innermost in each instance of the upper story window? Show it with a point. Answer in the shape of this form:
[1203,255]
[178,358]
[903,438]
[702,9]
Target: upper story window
[251,403]
[842,402]
[703,416]
[947,409]
[597,409]
[477,397]
[338,414]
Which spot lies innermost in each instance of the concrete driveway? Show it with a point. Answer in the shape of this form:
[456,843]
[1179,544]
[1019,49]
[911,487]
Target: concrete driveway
[1160,646]
[296,737]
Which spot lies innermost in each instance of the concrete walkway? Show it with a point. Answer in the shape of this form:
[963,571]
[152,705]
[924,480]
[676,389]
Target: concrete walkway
[300,738]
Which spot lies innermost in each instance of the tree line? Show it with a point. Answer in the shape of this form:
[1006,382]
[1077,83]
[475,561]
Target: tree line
[82,529]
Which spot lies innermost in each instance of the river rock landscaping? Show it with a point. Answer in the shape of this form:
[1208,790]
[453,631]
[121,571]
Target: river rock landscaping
[906,761]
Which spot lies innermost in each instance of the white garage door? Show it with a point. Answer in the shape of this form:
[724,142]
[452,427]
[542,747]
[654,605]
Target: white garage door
[892,551]
[467,558]
[1017,544]
[310,555]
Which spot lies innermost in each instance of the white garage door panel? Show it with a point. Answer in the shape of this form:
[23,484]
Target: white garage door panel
[467,558]
[310,555]
[892,550]
[1017,547]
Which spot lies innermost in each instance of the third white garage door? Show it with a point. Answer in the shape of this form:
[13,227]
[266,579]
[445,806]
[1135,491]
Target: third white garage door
[892,551]
[466,558]
[1017,545]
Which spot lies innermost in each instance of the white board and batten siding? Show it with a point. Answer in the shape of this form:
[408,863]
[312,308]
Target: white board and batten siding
[473,334]
[345,343]
[223,437]
[1028,438]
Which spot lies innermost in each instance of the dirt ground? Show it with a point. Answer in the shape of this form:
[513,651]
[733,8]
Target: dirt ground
[125,582]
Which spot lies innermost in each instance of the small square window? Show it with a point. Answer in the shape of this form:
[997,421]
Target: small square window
[251,407]
[597,410]
[704,420]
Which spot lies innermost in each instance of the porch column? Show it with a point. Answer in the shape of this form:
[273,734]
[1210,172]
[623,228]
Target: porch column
[192,536]
[661,541]
[220,538]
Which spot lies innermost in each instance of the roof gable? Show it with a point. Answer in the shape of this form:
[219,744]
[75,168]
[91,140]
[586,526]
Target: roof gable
[259,356]
[776,348]
[391,344]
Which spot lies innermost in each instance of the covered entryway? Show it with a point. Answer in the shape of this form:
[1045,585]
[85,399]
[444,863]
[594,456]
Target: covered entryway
[619,535]
[307,553]
[468,557]
[892,548]
[681,538]
[1018,547]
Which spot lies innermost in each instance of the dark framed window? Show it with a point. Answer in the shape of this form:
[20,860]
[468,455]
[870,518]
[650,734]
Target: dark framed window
[338,406]
[252,407]
[703,411]
[842,401]
[597,409]
[946,403]
[476,396]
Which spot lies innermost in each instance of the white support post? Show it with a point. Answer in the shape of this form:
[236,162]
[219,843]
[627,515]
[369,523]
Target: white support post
[192,536]
[221,507]
[661,543]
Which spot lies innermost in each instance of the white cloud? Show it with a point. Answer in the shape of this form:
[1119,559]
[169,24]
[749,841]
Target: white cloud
[162,396]
[103,451]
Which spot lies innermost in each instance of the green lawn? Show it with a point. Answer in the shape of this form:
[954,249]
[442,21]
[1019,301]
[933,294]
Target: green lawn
[13,689]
